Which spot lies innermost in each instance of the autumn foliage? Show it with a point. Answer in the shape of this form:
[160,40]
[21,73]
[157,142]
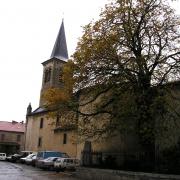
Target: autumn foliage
[132,51]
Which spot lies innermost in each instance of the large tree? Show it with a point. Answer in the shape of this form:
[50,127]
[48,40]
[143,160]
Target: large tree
[132,51]
[127,60]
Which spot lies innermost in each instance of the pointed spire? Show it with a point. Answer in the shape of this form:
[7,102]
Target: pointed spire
[60,48]
[29,109]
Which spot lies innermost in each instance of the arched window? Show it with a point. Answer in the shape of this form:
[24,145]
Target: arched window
[47,75]
[61,75]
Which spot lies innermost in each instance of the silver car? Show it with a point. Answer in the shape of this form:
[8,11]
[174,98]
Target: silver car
[66,163]
[47,163]
[23,160]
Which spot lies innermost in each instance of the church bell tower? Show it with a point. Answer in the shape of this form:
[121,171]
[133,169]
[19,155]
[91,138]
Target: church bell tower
[53,68]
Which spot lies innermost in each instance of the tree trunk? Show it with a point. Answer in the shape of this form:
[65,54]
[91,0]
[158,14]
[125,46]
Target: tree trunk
[146,126]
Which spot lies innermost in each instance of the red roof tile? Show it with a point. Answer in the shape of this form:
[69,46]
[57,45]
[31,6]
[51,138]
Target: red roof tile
[12,126]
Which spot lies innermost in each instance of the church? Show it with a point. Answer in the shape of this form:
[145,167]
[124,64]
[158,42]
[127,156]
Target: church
[42,131]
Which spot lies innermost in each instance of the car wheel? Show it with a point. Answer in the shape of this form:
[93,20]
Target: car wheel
[51,168]
[57,170]
[63,169]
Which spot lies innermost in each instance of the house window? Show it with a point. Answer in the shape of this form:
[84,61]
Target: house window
[2,137]
[64,138]
[41,123]
[18,137]
[40,142]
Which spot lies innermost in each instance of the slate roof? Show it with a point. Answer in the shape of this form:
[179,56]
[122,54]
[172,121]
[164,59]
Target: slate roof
[12,126]
[39,110]
[60,47]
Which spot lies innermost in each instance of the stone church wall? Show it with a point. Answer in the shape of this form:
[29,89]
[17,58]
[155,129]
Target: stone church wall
[50,140]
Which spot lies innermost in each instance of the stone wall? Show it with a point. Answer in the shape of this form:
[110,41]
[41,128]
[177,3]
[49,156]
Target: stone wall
[115,143]
[51,140]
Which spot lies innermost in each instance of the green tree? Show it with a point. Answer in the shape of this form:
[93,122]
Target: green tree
[127,60]
[132,51]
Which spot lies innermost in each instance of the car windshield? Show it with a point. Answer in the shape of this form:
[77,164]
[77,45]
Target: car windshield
[16,155]
[64,155]
[59,160]
[51,159]
[34,157]
[30,155]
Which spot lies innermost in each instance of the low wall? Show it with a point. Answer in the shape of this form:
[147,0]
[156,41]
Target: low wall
[103,174]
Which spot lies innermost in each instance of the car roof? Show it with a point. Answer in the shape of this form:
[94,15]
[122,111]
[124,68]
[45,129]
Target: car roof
[52,151]
[26,151]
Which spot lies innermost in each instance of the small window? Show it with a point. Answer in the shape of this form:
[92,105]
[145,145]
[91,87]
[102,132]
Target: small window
[2,137]
[41,123]
[40,142]
[65,138]
[60,78]
[57,120]
[60,75]
[47,75]
[18,137]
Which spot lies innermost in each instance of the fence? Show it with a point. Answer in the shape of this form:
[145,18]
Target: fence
[128,161]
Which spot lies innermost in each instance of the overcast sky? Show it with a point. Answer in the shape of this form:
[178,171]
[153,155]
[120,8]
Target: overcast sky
[27,35]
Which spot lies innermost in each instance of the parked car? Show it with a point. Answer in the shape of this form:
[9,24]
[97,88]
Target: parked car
[2,156]
[47,163]
[31,161]
[23,160]
[66,163]
[16,157]
[8,158]
[46,154]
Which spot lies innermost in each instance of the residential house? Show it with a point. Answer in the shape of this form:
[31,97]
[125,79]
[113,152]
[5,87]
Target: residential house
[12,137]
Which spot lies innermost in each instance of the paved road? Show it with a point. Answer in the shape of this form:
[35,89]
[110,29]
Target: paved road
[12,171]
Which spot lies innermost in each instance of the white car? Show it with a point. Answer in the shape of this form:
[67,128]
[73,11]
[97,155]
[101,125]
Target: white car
[66,163]
[3,156]
[23,160]
[31,160]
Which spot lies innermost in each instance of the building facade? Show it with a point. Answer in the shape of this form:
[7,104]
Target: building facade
[12,137]
[44,132]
